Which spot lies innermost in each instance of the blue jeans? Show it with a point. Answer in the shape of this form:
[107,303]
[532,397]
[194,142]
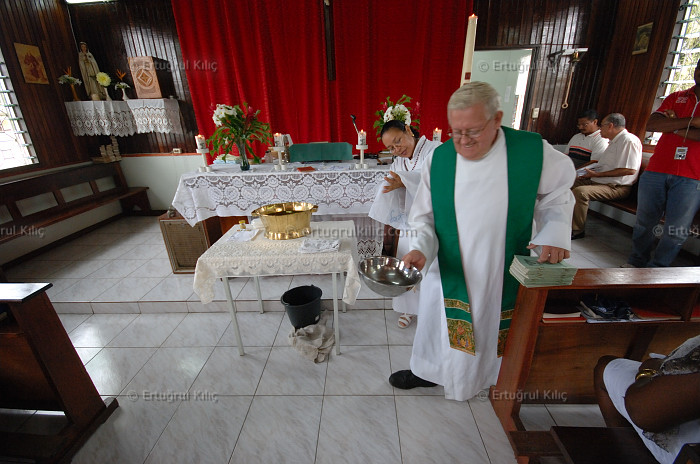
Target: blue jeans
[677,197]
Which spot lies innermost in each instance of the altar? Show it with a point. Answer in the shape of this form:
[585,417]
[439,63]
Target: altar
[340,191]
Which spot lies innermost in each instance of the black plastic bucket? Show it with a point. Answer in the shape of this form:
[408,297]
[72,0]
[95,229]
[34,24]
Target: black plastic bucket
[303,305]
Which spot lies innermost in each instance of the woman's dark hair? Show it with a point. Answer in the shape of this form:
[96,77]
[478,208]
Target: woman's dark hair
[396,124]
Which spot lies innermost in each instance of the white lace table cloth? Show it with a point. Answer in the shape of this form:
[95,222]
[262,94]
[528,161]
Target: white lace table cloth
[339,190]
[101,118]
[228,191]
[263,256]
[156,115]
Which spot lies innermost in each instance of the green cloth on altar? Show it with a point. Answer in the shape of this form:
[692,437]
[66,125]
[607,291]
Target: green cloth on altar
[320,152]
[525,155]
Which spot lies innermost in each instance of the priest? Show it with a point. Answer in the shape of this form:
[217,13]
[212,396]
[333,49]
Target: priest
[501,192]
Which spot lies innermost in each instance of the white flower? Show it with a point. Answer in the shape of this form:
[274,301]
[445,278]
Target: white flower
[388,116]
[221,111]
[398,112]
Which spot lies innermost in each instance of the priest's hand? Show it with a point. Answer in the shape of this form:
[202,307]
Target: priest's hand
[394,181]
[550,254]
[414,258]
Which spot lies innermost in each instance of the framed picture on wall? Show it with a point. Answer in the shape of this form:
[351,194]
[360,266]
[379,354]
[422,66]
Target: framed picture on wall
[31,63]
[641,40]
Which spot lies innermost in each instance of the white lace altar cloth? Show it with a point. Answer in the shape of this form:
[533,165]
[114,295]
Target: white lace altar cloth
[156,115]
[339,190]
[263,256]
[101,118]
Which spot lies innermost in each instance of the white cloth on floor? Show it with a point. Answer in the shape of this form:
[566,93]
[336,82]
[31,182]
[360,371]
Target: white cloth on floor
[314,341]
[319,245]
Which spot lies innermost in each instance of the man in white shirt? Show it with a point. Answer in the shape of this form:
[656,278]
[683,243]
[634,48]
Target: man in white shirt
[486,184]
[588,144]
[612,177]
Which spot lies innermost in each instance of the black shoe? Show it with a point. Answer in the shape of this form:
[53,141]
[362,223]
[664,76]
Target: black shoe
[577,235]
[406,380]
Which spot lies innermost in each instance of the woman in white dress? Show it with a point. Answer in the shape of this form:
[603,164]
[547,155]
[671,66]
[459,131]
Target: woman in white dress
[394,200]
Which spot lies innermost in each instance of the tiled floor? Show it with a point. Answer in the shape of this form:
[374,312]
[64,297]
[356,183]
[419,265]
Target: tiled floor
[186,396]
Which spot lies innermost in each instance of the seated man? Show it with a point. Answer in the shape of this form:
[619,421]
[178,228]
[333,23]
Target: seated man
[612,177]
[588,144]
[658,397]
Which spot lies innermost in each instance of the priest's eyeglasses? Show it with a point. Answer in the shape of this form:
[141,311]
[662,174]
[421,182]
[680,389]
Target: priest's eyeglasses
[471,134]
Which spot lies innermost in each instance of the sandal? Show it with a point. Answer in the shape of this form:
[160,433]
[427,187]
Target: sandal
[405,320]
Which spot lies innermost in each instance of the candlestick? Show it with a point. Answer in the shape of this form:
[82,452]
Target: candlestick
[201,142]
[437,135]
[362,138]
[205,167]
[279,139]
[469,50]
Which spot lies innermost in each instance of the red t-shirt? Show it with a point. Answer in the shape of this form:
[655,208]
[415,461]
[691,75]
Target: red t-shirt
[683,103]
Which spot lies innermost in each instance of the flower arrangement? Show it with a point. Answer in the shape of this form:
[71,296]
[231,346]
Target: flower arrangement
[103,79]
[121,84]
[238,125]
[400,111]
[67,78]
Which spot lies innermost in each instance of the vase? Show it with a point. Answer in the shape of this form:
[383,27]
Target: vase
[75,94]
[124,97]
[245,165]
[107,97]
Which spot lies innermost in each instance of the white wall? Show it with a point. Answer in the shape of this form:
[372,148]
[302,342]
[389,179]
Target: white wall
[160,173]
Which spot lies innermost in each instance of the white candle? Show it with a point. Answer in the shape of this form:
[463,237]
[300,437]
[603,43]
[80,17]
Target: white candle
[201,142]
[437,135]
[469,50]
[279,140]
[362,138]
[279,157]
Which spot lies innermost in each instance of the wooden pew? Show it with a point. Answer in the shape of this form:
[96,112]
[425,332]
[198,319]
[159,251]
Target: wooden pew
[53,185]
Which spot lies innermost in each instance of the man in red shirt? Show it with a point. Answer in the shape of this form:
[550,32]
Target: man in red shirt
[670,185]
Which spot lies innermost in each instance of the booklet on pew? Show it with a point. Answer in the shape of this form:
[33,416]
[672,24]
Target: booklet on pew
[531,273]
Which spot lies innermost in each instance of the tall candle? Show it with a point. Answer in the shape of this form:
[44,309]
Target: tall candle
[362,138]
[437,135]
[469,50]
[201,142]
[279,139]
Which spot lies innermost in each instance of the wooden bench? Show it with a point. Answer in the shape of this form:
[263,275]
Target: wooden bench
[88,183]
[629,204]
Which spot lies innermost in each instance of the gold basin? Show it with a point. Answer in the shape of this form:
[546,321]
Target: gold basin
[284,221]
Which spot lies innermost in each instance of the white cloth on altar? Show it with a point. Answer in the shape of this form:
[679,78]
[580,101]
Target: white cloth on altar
[392,208]
[481,196]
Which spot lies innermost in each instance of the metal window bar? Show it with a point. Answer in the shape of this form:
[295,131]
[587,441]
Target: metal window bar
[16,147]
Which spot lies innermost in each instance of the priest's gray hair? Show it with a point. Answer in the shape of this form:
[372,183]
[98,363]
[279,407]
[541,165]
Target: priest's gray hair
[473,93]
[616,119]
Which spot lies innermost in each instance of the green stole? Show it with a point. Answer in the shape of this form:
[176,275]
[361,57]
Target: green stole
[524,152]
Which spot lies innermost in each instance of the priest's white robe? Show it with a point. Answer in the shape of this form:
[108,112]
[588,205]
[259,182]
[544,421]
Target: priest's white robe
[481,200]
[392,208]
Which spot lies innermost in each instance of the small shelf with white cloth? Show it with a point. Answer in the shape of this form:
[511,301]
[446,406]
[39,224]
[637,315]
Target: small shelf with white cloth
[123,118]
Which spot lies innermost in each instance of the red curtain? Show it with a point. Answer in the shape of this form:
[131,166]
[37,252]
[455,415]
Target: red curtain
[272,54]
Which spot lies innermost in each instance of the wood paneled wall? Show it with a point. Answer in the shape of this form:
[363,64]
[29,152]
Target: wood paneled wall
[117,30]
[630,82]
[608,78]
[44,24]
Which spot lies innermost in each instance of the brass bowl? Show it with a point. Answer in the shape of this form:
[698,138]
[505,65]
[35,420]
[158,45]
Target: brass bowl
[284,221]
[388,276]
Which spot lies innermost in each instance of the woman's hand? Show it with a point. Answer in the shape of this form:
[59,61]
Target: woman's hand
[394,181]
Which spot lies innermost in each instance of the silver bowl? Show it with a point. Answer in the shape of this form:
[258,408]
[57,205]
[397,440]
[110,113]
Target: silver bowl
[388,276]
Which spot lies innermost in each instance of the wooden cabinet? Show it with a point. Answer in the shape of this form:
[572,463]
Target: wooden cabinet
[553,363]
[185,244]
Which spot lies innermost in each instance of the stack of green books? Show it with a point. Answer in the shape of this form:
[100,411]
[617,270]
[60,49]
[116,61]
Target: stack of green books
[530,273]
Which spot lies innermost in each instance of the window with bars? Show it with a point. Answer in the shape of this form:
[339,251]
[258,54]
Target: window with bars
[682,57]
[15,144]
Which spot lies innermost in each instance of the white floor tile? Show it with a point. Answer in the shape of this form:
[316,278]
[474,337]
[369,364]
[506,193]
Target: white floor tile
[203,329]
[288,373]
[147,330]
[359,370]
[100,329]
[345,436]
